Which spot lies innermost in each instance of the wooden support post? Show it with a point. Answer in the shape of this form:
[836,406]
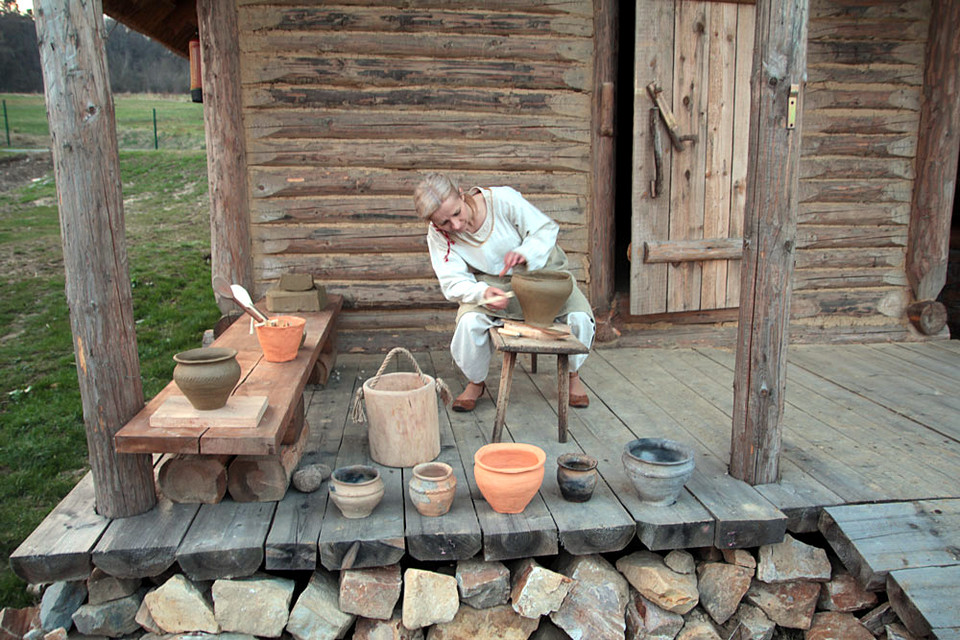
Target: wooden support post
[938,147]
[87,169]
[226,147]
[770,228]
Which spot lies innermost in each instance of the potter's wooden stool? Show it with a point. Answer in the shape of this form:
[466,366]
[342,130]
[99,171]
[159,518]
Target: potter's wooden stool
[510,346]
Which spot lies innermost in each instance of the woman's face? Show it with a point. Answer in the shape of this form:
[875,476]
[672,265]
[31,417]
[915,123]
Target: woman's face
[453,215]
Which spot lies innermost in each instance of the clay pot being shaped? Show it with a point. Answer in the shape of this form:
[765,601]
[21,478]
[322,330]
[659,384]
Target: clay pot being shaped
[280,339]
[576,476]
[356,490]
[207,376]
[658,468]
[541,294]
[432,488]
[509,474]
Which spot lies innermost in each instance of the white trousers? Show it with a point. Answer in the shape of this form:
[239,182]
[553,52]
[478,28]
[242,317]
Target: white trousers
[472,347]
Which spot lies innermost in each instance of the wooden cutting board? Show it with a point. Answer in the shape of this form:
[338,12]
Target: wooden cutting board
[240,412]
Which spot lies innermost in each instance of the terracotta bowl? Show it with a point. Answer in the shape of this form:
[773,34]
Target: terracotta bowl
[509,474]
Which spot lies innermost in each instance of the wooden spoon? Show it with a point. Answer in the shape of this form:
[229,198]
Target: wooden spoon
[223,288]
[242,298]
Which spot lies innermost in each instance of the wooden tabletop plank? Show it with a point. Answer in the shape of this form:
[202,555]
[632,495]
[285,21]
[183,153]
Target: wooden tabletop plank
[522,344]
[225,540]
[59,548]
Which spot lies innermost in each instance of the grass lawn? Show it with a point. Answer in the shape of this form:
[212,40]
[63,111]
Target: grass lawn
[42,441]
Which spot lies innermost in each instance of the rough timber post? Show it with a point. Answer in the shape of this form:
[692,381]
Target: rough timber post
[770,226]
[937,149]
[226,147]
[87,168]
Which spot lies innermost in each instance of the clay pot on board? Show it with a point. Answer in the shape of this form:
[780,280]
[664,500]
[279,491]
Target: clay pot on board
[356,490]
[509,474]
[576,476]
[541,294]
[207,376]
[432,488]
[658,468]
[280,339]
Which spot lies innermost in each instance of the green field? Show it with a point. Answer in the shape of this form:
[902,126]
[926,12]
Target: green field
[179,122]
[42,439]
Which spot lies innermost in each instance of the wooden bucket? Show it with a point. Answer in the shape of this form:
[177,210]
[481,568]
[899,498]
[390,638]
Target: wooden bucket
[401,408]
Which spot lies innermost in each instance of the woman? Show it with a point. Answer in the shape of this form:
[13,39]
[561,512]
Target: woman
[476,239]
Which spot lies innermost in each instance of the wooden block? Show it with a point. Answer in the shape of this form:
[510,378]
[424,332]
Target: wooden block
[242,412]
[521,330]
[193,479]
[266,478]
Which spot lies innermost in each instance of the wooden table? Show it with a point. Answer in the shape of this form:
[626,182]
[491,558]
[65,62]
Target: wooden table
[510,346]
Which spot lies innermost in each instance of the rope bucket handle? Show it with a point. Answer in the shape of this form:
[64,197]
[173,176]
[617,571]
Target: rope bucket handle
[443,391]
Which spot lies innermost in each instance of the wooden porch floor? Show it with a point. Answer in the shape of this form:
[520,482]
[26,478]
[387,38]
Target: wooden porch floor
[863,424]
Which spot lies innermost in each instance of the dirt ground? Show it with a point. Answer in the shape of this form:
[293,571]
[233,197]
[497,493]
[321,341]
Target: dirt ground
[19,169]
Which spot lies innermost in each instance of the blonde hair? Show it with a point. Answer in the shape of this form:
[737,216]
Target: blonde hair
[431,193]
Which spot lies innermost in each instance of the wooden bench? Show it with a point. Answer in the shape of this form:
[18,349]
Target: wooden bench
[195,470]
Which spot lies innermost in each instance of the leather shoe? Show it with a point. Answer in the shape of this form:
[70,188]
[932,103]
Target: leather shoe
[467,404]
[578,400]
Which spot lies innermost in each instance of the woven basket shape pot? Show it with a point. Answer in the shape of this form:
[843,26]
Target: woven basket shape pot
[207,376]
[509,474]
[280,343]
[541,294]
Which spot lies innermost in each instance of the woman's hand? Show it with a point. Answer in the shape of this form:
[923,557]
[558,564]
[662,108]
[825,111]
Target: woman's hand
[511,260]
[498,304]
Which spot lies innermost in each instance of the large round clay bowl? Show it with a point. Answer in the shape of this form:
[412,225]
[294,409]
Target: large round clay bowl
[658,468]
[509,474]
[541,294]
[207,376]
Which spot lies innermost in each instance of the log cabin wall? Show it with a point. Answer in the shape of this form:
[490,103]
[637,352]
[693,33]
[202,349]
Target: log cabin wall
[347,105]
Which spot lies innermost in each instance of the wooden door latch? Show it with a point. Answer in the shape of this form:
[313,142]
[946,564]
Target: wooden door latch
[673,129]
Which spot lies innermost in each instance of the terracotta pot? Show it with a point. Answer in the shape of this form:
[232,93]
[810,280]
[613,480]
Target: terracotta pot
[432,488]
[576,476]
[658,468]
[541,295]
[509,474]
[356,490]
[207,376]
[281,342]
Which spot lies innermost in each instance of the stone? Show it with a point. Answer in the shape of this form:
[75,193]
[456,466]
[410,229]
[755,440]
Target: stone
[112,619]
[792,560]
[316,615]
[15,623]
[483,584]
[836,625]
[596,601]
[145,620]
[548,631]
[647,621]
[537,591]
[897,631]
[392,629]
[428,598]
[877,618]
[648,574]
[697,626]
[680,561]
[371,593]
[493,623]
[752,622]
[34,634]
[843,593]
[57,634]
[789,604]
[256,606]
[739,557]
[309,477]
[60,601]
[721,587]
[178,606]
[295,282]
[103,587]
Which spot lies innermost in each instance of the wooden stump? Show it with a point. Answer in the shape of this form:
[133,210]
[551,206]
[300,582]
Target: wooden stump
[928,316]
[190,478]
[266,478]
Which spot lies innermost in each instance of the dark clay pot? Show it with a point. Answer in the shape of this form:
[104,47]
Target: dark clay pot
[576,476]
[658,468]
[207,376]
[541,294]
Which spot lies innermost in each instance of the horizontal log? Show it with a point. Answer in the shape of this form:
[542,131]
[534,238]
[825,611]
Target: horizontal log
[866,73]
[394,209]
[422,99]
[867,29]
[837,236]
[693,250]
[851,258]
[845,278]
[427,45]
[855,191]
[413,19]
[881,213]
[929,316]
[860,52]
[859,9]
[546,7]
[413,154]
[822,95]
[193,479]
[441,319]
[874,301]
[836,167]
[860,120]
[385,124]
[859,145]
[335,70]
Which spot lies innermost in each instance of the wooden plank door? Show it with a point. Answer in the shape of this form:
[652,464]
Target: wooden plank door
[686,240]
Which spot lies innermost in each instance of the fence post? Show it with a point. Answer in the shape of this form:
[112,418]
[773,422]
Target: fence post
[156,142]
[6,125]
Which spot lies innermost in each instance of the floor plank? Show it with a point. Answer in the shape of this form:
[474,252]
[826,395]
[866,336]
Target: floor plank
[921,598]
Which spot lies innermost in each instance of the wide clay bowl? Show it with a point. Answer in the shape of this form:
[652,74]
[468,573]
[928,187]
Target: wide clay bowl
[509,474]
[658,468]
[541,294]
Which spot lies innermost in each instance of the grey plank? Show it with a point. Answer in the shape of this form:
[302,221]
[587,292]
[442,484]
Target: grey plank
[923,597]
[926,354]
[378,539]
[59,548]
[225,540]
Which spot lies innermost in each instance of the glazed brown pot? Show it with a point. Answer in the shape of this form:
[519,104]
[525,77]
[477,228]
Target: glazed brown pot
[509,474]
[541,294]
[432,488]
[207,376]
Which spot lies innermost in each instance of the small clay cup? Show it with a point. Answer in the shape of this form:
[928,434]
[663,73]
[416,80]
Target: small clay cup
[432,488]
[576,476]
[356,490]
